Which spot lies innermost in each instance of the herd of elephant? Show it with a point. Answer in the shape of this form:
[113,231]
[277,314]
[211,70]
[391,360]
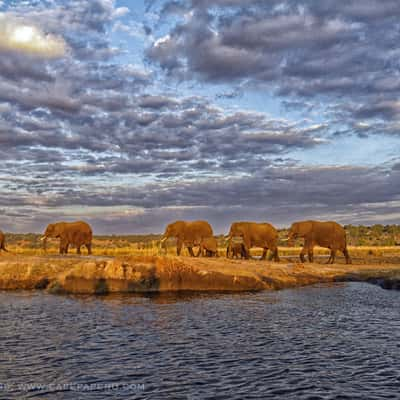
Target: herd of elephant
[245,235]
[242,237]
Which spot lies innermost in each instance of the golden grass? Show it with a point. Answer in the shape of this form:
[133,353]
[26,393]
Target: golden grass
[121,248]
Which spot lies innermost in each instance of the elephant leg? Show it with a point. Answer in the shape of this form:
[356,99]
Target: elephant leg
[310,255]
[302,255]
[275,254]
[191,252]
[333,256]
[179,247]
[243,252]
[264,254]
[78,249]
[63,246]
[347,256]
[307,249]
[200,253]
[89,248]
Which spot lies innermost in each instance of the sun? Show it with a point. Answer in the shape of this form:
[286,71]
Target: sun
[23,34]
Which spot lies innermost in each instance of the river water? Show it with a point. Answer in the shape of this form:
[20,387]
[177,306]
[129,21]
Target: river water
[323,342]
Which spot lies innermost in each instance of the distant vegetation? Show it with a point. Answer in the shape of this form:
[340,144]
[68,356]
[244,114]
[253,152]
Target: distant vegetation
[375,235]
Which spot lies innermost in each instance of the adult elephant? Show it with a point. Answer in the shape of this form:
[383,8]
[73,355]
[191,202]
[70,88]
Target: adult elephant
[2,241]
[256,234]
[328,234]
[188,233]
[77,234]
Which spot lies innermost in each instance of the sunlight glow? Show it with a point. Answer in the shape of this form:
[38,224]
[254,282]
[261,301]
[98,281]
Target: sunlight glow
[23,34]
[24,38]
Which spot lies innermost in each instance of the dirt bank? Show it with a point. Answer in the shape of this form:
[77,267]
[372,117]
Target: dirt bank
[101,275]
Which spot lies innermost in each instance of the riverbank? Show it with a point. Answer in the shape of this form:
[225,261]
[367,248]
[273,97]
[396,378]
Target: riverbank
[102,275]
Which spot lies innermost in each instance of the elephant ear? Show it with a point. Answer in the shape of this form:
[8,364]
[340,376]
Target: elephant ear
[49,230]
[58,229]
[178,228]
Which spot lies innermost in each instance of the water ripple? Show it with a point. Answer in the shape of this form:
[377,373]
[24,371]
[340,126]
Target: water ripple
[323,342]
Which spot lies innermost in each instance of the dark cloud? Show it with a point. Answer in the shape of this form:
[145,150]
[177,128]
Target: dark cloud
[273,194]
[340,50]
[156,102]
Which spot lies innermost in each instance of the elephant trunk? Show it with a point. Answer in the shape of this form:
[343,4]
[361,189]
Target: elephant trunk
[292,236]
[44,240]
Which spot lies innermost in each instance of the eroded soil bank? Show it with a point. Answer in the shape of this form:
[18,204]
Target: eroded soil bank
[102,275]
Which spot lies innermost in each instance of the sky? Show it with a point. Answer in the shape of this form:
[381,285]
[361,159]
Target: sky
[132,114]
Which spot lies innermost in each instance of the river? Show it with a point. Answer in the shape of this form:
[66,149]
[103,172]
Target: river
[337,341]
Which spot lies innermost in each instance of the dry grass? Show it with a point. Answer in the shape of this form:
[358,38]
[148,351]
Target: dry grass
[120,247]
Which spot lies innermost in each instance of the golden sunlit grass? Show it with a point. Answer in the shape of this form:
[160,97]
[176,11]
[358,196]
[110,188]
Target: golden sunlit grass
[121,247]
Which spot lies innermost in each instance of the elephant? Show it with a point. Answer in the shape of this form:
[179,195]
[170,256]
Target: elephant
[256,235]
[2,241]
[77,233]
[209,247]
[188,233]
[324,234]
[235,248]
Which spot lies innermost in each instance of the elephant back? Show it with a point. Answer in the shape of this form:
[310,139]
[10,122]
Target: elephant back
[328,234]
[255,233]
[78,232]
[198,230]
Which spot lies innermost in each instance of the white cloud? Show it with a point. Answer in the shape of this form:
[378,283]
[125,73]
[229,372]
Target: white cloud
[162,40]
[120,12]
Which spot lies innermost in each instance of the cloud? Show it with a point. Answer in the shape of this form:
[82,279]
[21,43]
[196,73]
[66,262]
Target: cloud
[330,51]
[99,134]
[278,195]
[18,36]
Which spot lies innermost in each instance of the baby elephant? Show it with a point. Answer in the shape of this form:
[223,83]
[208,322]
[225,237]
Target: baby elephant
[209,247]
[236,248]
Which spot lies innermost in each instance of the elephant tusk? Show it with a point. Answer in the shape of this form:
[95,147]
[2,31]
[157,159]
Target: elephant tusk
[162,248]
[43,238]
[285,240]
